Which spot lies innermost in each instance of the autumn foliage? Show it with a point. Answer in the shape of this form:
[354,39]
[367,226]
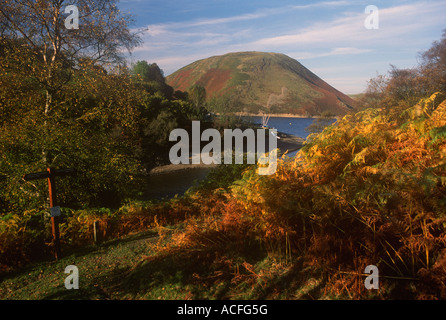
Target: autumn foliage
[368,190]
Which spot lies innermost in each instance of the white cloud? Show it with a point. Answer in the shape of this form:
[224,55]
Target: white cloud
[402,29]
[347,31]
[348,50]
[302,55]
[259,14]
[394,23]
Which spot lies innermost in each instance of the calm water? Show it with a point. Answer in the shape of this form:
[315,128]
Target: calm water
[170,184]
[294,126]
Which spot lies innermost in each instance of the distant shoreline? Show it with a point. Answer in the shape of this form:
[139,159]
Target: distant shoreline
[286,144]
[274,115]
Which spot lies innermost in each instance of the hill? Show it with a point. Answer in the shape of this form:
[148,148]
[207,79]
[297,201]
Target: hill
[256,82]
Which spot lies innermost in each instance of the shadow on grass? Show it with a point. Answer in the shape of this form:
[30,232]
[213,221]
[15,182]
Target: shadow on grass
[187,274]
[207,274]
[89,289]
[225,271]
[104,245]
[293,282]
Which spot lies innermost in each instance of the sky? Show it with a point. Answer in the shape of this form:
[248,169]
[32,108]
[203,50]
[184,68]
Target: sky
[340,41]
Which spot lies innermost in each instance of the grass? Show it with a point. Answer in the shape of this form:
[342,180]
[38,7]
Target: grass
[99,267]
[120,269]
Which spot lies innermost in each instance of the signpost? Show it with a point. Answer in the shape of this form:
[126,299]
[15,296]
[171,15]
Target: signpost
[51,174]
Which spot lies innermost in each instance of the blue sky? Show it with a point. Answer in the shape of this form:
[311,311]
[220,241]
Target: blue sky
[328,37]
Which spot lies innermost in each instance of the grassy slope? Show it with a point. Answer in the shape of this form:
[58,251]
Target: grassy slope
[118,269]
[99,268]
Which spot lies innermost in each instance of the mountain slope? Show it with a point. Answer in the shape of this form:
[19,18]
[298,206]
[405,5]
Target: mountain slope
[257,82]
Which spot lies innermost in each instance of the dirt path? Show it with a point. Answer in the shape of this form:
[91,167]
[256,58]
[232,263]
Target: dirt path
[289,142]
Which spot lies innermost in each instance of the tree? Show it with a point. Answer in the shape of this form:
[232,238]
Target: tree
[433,66]
[66,100]
[41,49]
[148,72]
[197,96]
[402,88]
[152,78]
[375,92]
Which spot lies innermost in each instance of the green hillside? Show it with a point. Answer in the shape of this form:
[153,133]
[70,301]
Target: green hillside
[257,82]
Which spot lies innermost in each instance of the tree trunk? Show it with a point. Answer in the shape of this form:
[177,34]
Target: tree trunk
[49,98]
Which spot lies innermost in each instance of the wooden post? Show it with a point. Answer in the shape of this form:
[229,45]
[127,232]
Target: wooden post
[51,175]
[95,231]
[54,220]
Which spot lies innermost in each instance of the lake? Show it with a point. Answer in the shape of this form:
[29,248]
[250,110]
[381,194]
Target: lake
[171,183]
[294,126]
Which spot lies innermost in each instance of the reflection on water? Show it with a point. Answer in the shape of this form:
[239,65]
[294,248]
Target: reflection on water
[169,184]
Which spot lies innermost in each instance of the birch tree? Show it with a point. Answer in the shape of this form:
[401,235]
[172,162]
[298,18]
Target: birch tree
[50,39]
